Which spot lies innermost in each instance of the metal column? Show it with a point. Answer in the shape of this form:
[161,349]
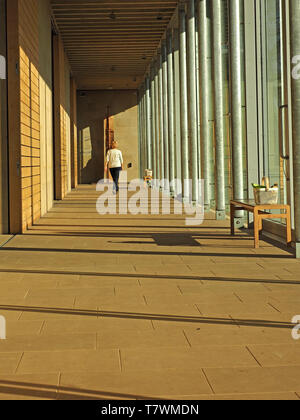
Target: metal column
[198,102]
[177,106]
[206,95]
[184,104]
[157,133]
[171,121]
[148,124]
[236,103]
[295,54]
[219,109]
[161,120]
[143,131]
[192,98]
[165,114]
[140,132]
[153,125]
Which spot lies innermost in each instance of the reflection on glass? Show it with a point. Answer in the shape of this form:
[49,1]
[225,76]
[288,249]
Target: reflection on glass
[272,88]
[273,92]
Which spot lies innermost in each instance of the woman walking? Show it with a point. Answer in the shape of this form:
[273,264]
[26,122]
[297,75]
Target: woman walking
[114,161]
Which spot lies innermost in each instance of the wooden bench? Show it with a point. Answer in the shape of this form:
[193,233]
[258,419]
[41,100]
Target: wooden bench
[261,212]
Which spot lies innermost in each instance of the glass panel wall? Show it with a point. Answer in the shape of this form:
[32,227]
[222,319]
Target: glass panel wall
[274,107]
[243,79]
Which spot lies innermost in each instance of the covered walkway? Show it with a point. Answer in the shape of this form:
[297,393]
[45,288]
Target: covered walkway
[203,95]
[145,307]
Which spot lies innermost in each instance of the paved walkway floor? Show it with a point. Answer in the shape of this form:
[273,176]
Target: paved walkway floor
[135,307]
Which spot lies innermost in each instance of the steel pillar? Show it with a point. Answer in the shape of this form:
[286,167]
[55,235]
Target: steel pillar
[177,106]
[219,109]
[171,120]
[148,124]
[236,102]
[198,102]
[165,112]
[140,132]
[184,104]
[153,125]
[157,133]
[143,132]
[206,97]
[192,99]
[161,120]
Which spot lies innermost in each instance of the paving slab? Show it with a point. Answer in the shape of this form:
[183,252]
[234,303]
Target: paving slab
[9,362]
[14,328]
[4,239]
[87,302]
[69,361]
[29,387]
[143,384]
[135,307]
[254,380]
[96,281]
[10,315]
[94,325]
[140,339]
[195,357]
[100,292]
[47,342]
[235,309]
[156,311]
[277,354]
[232,335]
[275,396]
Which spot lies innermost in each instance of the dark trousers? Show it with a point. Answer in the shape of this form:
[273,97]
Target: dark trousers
[115,173]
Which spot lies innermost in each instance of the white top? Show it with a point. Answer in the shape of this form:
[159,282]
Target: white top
[114,158]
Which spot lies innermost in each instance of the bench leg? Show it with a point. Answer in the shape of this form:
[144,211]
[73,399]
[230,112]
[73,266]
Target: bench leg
[232,210]
[288,226]
[260,224]
[256,229]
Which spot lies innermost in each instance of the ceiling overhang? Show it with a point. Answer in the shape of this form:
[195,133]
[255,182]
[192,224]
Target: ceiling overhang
[110,43]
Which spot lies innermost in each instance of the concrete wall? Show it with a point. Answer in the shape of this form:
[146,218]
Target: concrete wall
[46,117]
[3,130]
[92,109]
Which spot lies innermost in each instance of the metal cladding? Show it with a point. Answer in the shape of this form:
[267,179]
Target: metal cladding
[148,124]
[200,87]
[165,113]
[219,107]
[184,103]
[295,54]
[206,97]
[171,119]
[161,120]
[192,98]
[153,124]
[236,100]
[157,149]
